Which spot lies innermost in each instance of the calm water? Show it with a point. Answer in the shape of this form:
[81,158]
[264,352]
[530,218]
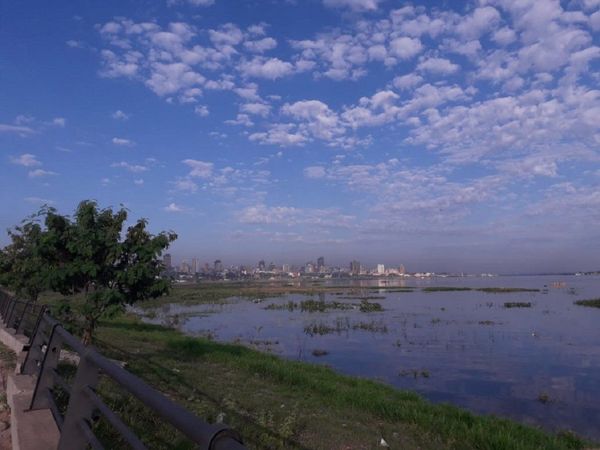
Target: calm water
[464,348]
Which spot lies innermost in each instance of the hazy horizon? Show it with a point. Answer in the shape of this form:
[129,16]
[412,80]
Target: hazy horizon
[443,137]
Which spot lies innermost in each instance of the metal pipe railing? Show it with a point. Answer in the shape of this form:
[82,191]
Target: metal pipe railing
[48,338]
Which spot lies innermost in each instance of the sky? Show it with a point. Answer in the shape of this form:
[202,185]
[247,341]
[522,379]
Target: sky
[442,135]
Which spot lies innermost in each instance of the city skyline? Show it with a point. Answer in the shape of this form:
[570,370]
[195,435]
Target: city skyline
[448,137]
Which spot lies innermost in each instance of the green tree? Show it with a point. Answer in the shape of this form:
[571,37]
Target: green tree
[22,265]
[98,265]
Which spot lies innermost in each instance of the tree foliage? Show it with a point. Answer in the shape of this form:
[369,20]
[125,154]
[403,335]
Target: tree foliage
[91,258]
[22,264]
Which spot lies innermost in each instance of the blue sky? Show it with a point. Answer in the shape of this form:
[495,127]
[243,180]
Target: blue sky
[441,135]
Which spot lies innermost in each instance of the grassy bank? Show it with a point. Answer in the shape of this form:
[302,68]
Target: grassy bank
[220,292]
[593,303]
[277,403]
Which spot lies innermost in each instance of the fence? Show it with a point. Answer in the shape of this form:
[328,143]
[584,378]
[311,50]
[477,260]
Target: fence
[47,338]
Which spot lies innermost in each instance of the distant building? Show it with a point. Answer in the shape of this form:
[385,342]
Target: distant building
[320,263]
[194,265]
[261,265]
[218,266]
[167,261]
[355,267]
[184,267]
[285,268]
[309,268]
[380,269]
[401,269]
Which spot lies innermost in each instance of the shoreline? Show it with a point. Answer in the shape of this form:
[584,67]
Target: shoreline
[254,383]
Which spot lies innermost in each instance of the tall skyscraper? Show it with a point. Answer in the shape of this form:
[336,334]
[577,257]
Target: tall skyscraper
[218,265]
[320,262]
[167,261]
[401,269]
[194,265]
[380,269]
[355,267]
[261,265]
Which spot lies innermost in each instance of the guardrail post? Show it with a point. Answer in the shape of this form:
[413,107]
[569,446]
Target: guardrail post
[6,299]
[35,354]
[45,380]
[81,408]
[20,325]
[9,313]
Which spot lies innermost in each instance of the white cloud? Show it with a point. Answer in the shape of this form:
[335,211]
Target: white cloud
[241,119]
[37,173]
[201,110]
[138,181]
[504,36]
[261,214]
[185,185]
[595,21]
[261,45]
[200,169]
[480,21]
[405,47]
[174,208]
[438,65]
[120,115]
[135,168]
[26,159]
[59,122]
[123,142]
[18,129]
[259,109]
[269,68]
[202,3]
[407,81]
[354,5]
[280,134]
[314,172]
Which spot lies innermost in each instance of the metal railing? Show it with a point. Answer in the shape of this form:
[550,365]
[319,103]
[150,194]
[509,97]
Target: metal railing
[19,316]
[85,406]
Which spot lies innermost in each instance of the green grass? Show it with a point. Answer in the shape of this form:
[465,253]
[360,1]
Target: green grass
[594,303]
[278,403]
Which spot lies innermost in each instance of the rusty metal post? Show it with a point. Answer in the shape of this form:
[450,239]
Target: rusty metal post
[81,408]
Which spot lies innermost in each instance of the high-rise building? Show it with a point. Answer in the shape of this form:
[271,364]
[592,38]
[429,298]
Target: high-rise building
[194,265]
[320,262]
[380,269]
[184,267]
[401,269]
[167,261]
[218,265]
[355,267]
[261,265]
